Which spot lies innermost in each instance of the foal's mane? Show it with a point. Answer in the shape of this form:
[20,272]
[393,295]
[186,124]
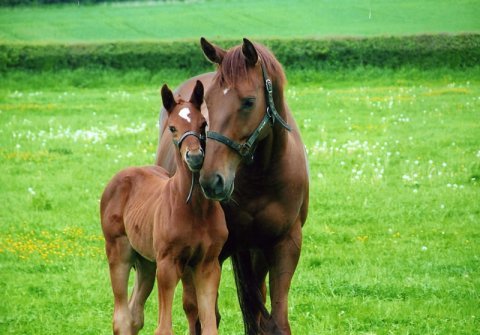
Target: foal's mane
[234,68]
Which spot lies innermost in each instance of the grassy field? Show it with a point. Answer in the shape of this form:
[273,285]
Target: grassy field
[392,243]
[218,19]
[391,246]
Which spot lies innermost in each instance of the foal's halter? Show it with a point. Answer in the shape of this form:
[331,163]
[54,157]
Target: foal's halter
[200,137]
[247,149]
[178,144]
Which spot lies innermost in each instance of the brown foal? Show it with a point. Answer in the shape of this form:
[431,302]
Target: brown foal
[165,226]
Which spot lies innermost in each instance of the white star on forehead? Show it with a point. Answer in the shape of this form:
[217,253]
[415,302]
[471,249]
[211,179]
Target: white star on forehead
[185,114]
[225,91]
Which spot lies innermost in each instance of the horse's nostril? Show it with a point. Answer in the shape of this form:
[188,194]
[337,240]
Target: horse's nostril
[213,186]
[218,184]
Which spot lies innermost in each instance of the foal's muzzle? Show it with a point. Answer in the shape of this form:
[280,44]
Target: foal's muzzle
[194,159]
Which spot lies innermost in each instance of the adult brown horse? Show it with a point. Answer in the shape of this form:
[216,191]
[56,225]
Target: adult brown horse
[165,224]
[255,164]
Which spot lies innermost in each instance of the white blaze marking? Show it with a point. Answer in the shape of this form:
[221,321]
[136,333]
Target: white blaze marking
[185,114]
[225,91]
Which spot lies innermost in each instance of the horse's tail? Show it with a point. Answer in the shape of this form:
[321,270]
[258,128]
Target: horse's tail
[249,295]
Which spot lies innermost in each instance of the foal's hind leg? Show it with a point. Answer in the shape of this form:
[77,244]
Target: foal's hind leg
[144,281]
[120,255]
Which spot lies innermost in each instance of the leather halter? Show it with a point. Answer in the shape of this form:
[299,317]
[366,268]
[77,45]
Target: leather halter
[200,137]
[247,149]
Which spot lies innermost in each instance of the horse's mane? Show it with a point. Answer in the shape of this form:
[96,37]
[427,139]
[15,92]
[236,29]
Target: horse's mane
[234,68]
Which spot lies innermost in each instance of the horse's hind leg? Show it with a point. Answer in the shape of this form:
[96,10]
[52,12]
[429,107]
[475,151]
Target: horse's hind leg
[144,281]
[120,260]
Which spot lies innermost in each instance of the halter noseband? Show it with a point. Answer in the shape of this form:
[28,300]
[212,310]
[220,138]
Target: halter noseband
[247,149]
[200,137]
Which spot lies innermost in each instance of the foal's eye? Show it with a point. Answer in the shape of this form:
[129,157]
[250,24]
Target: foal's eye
[172,129]
[247,104]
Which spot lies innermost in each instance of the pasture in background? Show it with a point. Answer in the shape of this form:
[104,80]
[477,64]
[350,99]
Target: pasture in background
[392,241]
[218,19]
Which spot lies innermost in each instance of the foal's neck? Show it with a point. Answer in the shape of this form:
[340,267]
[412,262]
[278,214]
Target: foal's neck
[183,181]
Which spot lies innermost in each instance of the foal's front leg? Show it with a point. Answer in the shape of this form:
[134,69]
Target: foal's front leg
[167,279]
[207,279]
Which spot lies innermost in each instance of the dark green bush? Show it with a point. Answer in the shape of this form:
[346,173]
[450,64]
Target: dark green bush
[427,51]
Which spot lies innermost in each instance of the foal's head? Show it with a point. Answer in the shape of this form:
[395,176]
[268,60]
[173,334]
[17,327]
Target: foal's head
[187,125]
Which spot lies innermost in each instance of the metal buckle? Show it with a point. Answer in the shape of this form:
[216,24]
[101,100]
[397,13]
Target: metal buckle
[244,149]
[269,85]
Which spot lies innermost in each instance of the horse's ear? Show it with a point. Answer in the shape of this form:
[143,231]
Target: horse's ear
[212,52]
[250,53]
[167,98]
[197,95]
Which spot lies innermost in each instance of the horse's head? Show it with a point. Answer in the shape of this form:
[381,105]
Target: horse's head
[187,125]
[239,112]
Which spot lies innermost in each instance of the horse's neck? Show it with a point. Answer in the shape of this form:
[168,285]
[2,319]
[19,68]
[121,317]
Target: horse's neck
[274,145]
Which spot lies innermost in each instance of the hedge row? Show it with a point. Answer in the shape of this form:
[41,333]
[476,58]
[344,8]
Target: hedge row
[427,51]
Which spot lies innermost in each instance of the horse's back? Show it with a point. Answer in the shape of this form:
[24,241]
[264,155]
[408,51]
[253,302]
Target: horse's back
[165,151]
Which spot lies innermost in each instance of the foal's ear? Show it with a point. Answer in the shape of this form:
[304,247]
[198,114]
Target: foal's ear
[167,97]
[212,52]
[197,95]
[250,53]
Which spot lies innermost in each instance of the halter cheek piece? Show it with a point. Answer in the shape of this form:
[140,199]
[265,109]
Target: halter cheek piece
[247,149]
[178,144]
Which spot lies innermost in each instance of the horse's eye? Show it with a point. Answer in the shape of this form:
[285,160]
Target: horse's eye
[248,103]
[172,129]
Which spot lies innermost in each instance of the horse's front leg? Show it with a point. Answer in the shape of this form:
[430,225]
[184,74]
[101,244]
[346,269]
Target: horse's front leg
[167,279]
[283,259]
[207,279]
[189,299]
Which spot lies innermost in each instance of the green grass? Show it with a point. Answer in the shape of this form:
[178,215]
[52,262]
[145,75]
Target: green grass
[218,19]
[391,246]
